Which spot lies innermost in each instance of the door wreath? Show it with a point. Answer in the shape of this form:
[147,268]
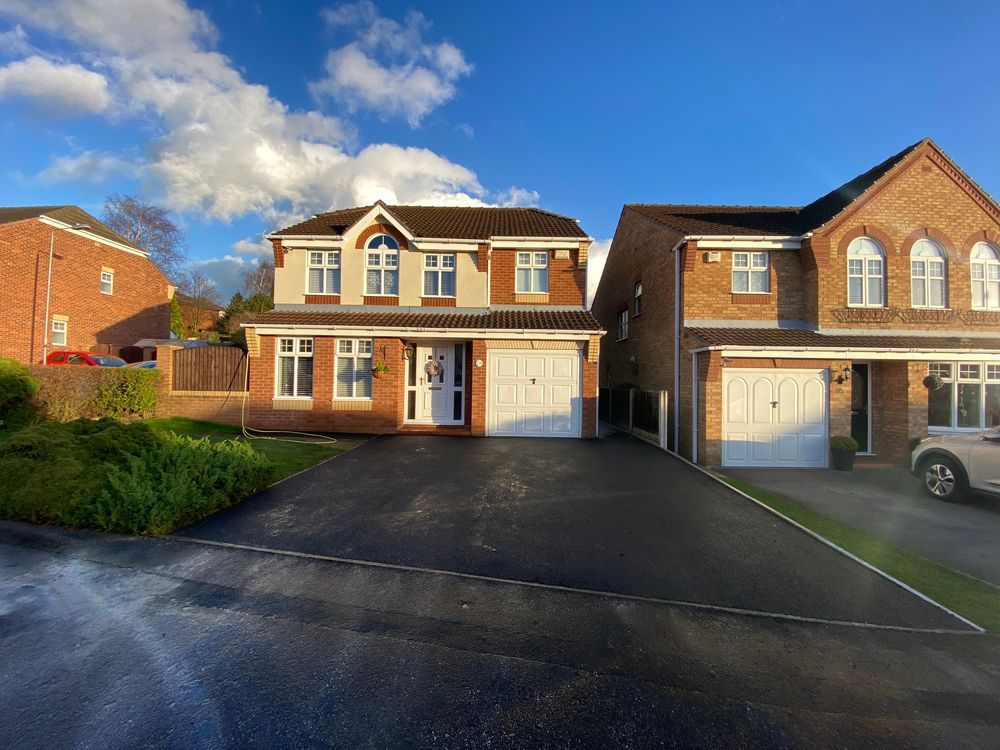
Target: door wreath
[433,368]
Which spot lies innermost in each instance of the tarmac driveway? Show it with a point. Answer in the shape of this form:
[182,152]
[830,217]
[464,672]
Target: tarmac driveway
[613,515]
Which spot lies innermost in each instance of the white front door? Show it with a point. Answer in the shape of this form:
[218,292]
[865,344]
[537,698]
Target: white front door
[533,393]
[774,417]
[436,384]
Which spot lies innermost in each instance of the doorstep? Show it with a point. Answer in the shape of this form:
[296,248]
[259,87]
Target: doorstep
[436,429]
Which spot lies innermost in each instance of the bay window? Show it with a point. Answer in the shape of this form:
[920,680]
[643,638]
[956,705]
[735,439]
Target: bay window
[294,368]
[439,275]
[969,399]
[382,266]
[532,273]
[324,272]
[354,369]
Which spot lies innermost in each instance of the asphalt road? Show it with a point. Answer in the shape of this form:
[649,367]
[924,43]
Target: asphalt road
[109,642]
[613,515]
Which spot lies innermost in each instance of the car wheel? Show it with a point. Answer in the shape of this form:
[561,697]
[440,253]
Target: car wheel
[942,479]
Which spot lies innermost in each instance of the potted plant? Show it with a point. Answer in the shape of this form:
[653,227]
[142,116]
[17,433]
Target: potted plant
[844,447]
[379,369]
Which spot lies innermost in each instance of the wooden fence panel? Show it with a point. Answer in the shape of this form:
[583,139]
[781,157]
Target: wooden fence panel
[209,368]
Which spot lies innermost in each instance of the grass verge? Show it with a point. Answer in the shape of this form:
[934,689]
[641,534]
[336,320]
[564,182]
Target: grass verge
[970,597]
[288,458]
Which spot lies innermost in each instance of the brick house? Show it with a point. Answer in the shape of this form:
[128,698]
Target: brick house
[428,319]
[198,315]
[776,327]
[103,289]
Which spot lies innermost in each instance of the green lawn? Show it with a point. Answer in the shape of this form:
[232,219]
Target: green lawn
[288,457]
[977,600]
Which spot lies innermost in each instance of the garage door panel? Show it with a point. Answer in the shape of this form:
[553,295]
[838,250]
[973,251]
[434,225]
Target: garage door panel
[550,406]
[791,431]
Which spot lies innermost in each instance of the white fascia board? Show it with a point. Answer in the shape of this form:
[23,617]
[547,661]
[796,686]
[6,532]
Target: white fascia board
[327,243]
[369,217]
[418,332]
[720,241]
[748,243]
[91,236]
[805,352]
[324,237]
[447,246]
[569,243]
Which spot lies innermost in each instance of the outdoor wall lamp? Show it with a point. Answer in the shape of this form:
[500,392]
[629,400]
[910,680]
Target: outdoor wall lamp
[408,351]
[726,361]
[840,376]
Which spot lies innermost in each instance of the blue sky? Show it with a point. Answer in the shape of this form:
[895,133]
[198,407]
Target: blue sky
[242,117]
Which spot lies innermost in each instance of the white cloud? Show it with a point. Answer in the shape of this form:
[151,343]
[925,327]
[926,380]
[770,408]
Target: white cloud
[226,272]
[516,196]
[597,256]
[14,43]
[54,87]
[253,246]
[389,68]
[225,146]
[89,166]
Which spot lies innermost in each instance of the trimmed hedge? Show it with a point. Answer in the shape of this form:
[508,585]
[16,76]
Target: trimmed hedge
[17,388]
[69,393]
[122,477]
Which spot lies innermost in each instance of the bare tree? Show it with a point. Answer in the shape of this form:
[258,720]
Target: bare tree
[197,285]
[150,227]
[259,278]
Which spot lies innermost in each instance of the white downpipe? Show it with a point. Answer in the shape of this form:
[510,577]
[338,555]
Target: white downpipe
[677,347]
[694,408]
[489,274]
[48,297]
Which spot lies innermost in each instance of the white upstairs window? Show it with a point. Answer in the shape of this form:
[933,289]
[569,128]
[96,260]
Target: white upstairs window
[323,272]
[532,273]
[927,274]
[984,266]
[865,273]
[750,273]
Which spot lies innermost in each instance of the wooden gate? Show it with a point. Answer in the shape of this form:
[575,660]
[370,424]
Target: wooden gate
[209,368]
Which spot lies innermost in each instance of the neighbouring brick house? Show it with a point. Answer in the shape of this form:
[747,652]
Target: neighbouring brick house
[774,328]
[473,320]
[103,289]
[198,315]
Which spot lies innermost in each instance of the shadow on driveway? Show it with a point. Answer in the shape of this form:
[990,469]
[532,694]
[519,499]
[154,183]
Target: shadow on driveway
[612,515]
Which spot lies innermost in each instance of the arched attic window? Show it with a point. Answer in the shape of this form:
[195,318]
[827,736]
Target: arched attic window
[984,266]
[865,273]
[928,274]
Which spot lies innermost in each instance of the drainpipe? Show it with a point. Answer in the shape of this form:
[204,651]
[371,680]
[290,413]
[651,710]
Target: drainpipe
[677,346]
[48,295]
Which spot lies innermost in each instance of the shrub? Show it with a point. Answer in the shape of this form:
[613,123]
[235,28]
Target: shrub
[69,393]
[122,477]
[17,388]
[843,443]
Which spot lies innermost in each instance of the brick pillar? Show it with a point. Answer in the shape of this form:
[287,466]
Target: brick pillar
[840,400]
[478,416]
[165,368]
[709,409]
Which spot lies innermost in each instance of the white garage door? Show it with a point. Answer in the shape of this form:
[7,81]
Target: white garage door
[774,418]
[533,393]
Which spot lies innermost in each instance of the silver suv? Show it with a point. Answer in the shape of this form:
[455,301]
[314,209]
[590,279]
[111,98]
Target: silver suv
[950,465]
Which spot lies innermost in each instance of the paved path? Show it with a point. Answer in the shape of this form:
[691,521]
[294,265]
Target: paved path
[612,515]
[889,504]
[113,642]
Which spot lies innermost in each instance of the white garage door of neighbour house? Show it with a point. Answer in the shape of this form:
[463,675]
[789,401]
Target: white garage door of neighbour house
[774,417]
[533,393]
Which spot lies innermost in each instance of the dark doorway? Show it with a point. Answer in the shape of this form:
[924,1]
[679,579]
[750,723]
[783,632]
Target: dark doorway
[859,406]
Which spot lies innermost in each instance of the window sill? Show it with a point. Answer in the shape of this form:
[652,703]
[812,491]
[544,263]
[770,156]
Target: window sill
[529,297]
[750,298]
[322,299]
[438,301]
[381,299]
[292,403]
[351,404]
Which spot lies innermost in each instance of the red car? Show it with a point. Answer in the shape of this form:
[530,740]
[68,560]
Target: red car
[87,359]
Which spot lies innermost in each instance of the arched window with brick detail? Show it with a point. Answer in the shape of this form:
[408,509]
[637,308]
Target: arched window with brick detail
[984,265]
[928,274]
[382,266]
[865,273]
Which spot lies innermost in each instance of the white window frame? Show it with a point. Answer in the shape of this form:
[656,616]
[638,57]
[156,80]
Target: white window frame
[985,266]
[434,264]
[756,262]
[622,324]
[110,282]
[637,296]
[324,261]
[866,274]
[300,348]
[382,265]
[60,328]
[989,374]
[936,255]
[532,261]
[358,354]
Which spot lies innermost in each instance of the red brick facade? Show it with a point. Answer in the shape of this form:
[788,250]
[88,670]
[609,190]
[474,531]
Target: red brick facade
[567,280]
[922,196]
[137,308]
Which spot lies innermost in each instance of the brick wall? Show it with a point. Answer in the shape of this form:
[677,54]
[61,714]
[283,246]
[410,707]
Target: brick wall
[901,411]
[567,280]
[212,406]
[138,307]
